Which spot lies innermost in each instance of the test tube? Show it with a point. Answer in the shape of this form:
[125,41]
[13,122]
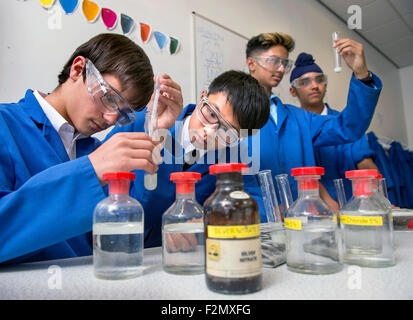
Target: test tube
[285,192]
[341,196]
[151,119]
[337,57]
[269,196]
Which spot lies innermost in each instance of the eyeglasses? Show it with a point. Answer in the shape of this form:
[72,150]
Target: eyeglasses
[106,98]
[305,82]
[274,63]
[209,116]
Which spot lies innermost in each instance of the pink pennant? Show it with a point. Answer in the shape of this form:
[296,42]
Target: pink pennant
[109,18]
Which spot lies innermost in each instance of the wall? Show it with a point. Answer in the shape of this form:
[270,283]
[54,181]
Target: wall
[31,55]
[406,77]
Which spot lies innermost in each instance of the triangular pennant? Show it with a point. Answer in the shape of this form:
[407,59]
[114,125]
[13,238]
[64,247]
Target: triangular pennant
[161,39]
[174,45]
[109,17]
[127,23]
[90,10]
[47,3]
[69,6]
[146,32]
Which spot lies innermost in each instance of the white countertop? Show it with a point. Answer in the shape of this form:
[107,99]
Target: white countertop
[73,278]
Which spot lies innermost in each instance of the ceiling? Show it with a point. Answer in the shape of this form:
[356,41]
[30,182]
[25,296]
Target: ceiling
[386,24]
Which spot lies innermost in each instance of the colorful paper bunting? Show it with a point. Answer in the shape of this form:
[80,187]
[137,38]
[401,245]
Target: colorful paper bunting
[146,32]
[90,10]
[127,23]
[174,45]
[47,3]
[161,39]
[69,6]
[109,17]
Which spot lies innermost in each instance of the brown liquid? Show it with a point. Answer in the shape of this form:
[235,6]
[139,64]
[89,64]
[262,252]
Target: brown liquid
[222,210]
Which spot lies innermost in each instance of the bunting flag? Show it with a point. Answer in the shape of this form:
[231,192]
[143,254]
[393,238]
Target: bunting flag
[47,3]
[174,45]
[69,6]
[90,10]
[161,39]
[127,23]
[110,18]
[146,32]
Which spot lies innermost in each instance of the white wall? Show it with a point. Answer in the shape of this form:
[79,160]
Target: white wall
[31,55]
[406,77]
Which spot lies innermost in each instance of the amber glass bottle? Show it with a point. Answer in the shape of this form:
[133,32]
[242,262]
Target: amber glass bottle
[232,234]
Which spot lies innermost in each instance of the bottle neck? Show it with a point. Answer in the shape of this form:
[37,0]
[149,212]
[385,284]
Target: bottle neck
[185,196]
[230,180]
[119,187]
[309,193]
[364,187]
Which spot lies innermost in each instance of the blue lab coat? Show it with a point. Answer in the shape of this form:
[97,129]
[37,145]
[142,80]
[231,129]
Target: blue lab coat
[290,143]
[46,201]
[336,160]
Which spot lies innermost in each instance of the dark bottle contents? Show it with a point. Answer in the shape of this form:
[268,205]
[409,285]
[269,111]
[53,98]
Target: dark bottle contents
[232,234]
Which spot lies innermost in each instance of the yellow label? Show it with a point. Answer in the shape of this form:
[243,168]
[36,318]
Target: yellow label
[234,232]
[292,224]
[362,221]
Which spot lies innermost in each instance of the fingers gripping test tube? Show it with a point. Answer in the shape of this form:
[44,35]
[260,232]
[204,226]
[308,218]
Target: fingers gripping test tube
[337,57]
[151,119]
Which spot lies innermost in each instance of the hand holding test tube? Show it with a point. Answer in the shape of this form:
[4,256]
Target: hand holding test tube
[337,57]
[151,118]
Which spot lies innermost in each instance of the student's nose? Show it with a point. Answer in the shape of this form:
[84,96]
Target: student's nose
[110,119]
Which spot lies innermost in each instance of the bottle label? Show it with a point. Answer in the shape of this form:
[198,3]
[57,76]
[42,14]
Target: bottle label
[295,223]
[362,220]
[234,232]
[239,195]
[233,258]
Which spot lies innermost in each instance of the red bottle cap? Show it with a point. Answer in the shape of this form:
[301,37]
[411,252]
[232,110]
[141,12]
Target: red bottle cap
[362,187]
[227,167]
[185,181]
[410,225]
[307,183]
[379,176]
[307,171]
[119,181]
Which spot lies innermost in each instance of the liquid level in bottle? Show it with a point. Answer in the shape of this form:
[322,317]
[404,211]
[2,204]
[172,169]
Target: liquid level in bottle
[368,245]
[314,249]
[118,249]
[183,248]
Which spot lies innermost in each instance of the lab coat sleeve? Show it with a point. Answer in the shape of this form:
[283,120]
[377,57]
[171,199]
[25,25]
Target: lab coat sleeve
[350,124]
[52,206]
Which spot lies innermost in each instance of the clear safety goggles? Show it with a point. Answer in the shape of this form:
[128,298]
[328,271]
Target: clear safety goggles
[210,116]
[107,99]
[274,63]
[305,82]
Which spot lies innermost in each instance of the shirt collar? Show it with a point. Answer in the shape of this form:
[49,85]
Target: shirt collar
[325,111]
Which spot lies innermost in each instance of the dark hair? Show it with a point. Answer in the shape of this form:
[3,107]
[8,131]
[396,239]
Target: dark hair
[264,41]
[119,56]
[250,102]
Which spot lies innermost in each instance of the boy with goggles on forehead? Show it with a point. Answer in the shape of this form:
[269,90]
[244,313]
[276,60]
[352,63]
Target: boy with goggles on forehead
[206,133]
[309,85]
[288,139]
[51,167]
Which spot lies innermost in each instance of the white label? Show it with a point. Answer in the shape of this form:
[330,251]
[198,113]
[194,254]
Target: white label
[239,195]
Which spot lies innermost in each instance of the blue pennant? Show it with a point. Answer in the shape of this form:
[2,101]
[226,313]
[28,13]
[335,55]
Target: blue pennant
[127,23]
[69,6]
[160,39]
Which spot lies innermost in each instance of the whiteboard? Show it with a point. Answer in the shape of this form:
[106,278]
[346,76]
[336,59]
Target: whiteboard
[216,49]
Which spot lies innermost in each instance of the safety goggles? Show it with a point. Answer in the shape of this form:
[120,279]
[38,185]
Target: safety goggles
[305,82]
[107,99]
[210,116]
[274,63]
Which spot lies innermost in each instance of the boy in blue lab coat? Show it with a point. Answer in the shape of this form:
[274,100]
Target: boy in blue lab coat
[309,85]
[290,135]
[51,168]
[206,133]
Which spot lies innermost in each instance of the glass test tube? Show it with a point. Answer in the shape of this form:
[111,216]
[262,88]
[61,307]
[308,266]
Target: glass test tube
[337,57]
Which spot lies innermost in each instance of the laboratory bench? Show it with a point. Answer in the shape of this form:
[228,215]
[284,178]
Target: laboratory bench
[73,279]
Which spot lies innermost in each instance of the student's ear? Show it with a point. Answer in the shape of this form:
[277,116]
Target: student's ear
[77,68]
[293,92]
[251,64]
